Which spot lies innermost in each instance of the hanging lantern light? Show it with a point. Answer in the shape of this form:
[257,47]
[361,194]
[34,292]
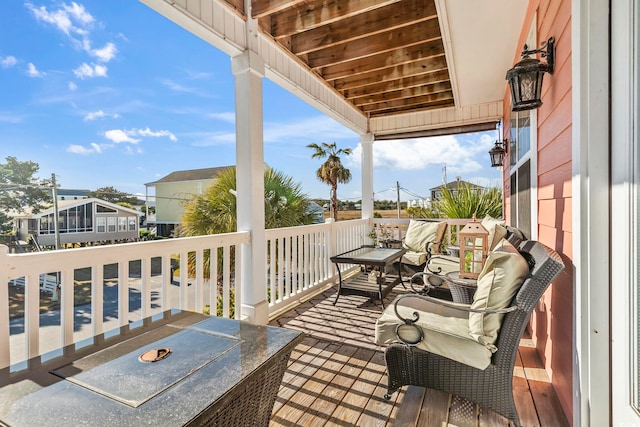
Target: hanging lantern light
[525,78]
[474,247]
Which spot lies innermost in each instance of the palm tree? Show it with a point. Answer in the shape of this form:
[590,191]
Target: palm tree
[332,172]
[214,211]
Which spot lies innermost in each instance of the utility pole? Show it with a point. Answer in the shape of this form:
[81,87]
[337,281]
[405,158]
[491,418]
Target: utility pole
[56,212]
[398,196]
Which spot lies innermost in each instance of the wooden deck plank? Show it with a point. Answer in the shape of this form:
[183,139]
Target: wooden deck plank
[413,397]
[522,396]
[331,395]
[435,409]
[544,396]
[378,410]
[299,402]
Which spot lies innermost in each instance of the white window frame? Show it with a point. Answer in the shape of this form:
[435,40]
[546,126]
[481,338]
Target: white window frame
[112,224]
[531,155]
[101,224]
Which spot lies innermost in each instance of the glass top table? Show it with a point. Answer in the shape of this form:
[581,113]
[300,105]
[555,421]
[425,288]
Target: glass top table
[362,284]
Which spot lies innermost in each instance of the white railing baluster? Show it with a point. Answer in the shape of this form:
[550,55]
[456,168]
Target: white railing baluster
[281,269]
[32,314]
[67,309]
[225,280]
[165,300]
[213,283]
[236,281]
[5,330]
[184,278]
[145,287]
[123,293]
[97,299]
[199,297]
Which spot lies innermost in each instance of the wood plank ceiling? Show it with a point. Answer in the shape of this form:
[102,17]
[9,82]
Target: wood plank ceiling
[384,56]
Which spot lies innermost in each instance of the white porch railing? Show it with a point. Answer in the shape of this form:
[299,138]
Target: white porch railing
[134,281]
[128,282]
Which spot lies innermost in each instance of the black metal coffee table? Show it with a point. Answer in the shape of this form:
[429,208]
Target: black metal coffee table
[369,256]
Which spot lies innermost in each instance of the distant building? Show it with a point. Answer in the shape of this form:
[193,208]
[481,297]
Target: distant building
[80,222]
[453,186]
[70,194]
[171,191]
[317,212]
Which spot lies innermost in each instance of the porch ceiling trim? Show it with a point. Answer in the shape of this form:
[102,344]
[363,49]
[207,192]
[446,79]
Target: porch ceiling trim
[424,121]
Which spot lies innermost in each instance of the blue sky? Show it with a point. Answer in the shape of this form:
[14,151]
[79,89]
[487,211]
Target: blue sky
[110,93]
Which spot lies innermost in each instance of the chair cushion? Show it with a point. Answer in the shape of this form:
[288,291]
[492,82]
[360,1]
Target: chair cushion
[414,258]
[421,233]
[497,230]
[503,273]
[445,331]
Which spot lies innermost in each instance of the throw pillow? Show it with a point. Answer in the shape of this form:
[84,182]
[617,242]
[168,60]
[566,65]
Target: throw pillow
[420,234]
[497,230]
[502,275]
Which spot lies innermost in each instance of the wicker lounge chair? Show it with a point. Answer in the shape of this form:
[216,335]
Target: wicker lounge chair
[490,386]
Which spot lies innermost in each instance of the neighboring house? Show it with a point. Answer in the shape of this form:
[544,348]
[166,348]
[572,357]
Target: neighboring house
[173,190]
[80,222]
[453,186]
[317,212]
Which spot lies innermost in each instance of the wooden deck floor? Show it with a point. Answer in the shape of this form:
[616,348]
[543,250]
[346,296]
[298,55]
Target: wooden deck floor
[336,376]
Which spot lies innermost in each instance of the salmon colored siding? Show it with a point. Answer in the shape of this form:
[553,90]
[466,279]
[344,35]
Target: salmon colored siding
[552,320]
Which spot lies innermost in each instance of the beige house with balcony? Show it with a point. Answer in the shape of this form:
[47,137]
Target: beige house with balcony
[173,190]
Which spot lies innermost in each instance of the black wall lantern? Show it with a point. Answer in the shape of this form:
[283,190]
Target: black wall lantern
[497,153]
[525,78]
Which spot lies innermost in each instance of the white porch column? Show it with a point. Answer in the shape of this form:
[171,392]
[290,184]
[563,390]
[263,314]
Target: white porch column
[366,141]
[248,69]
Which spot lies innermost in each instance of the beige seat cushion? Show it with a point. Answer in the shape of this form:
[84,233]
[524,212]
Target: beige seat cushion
[503,273]
[497,230]
[422,233]
[414,258]
[446,331]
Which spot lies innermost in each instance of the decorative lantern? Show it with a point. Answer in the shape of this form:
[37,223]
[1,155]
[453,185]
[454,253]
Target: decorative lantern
[525,78]
[497,153]
[474,246]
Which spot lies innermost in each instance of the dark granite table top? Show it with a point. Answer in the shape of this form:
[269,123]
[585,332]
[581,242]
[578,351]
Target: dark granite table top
[204,358]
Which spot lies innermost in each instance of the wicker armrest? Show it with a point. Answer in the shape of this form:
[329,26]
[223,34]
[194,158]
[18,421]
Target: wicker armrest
[408,323]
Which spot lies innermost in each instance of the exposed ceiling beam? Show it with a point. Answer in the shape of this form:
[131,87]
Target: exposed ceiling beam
[403,94]
[406,82]
[383,60]
[413,109]
[382,20]
[392,73]
[377,43]
[260,8]
[315,13]
[409,102]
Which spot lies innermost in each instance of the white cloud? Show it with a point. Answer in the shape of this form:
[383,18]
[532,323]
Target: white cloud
[229,116]
[8,61]
[106,54]
[118,136]
[32,71]
[155,134]
[94,148]
[415,154]
[70,19]
[72,86]
[99,114]
[212,139]
[87,71]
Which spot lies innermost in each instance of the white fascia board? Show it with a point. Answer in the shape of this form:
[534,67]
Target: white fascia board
[437,119]
[213,21]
